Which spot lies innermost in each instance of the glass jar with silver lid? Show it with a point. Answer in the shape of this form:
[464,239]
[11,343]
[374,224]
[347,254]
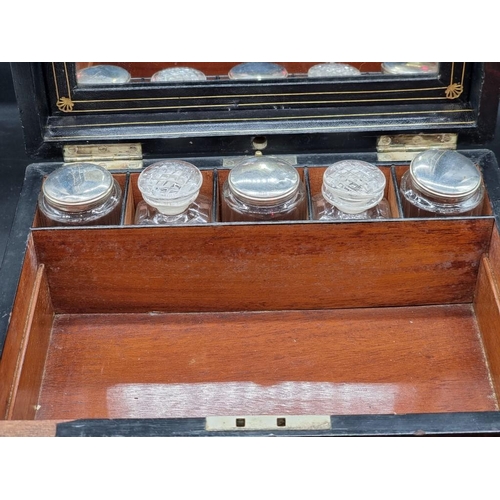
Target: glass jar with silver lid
[442,183]
[263,188]
[351,189]
[80,194]
[410,68]
[257,71]
[103,74]
[171,195]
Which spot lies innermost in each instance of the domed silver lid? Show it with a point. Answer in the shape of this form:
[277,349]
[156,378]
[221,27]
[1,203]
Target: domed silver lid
[447,174]
[257,71]
[77,187]
[102,74]
[178,74]
[264,180]
[353,186]
[332,69]
[409,68]
[170,186]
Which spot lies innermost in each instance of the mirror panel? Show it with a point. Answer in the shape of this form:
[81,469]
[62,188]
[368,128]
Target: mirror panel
[116,73]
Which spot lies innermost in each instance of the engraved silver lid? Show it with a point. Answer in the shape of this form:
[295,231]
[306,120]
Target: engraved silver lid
[446,174]
[77,187]
[170,186]
[264,180]
[353,186]
[257,71]
[409,68]
[179,74]
[102,74]
[332,69]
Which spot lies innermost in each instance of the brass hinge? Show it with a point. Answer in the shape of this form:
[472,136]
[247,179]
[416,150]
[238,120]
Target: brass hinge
[110,156]
[406,146]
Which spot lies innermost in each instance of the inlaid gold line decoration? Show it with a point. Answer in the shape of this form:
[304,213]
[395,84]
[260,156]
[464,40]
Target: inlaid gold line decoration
[308,117]
[67,80]
[65,104]
[109,110]
[455,90]
[55,80]
[234,96]
[220,132]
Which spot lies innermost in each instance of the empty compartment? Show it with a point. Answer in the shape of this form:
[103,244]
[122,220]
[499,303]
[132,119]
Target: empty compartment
[244,320]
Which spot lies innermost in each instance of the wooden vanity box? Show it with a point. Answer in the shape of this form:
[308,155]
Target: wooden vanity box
[386,327]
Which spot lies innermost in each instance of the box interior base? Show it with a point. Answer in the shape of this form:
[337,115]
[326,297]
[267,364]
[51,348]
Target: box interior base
[365,361]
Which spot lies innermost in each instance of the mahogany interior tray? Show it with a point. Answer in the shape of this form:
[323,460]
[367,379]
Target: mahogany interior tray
[372,317]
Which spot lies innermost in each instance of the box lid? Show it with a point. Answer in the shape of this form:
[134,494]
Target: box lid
[221,115]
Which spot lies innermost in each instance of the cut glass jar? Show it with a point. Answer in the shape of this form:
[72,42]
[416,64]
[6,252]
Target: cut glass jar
[171,195]
[351,189]
[332,69]
[179,74]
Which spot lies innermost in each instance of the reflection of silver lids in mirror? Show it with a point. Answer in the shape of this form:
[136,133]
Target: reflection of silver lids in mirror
[332,69]
[446,174]
[264,180]
[257,71]
[178,74]
[170,186]
[353,186]
[409,68]
[102,74]
[77,187]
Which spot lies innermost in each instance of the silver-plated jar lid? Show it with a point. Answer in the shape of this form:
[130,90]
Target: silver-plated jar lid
[179,74]
[257,71]
[170,186]
[264,180]
[77,187]
[102,74]
[409,68]
[353,186]
[332,69]
[446,174]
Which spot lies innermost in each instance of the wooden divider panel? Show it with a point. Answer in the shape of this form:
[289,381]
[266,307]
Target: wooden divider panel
[242,267]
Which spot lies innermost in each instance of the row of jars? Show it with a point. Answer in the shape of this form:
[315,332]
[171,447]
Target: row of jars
[264,188]
[107,74]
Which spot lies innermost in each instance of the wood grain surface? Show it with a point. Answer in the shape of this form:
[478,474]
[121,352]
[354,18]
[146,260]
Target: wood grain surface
[263,267]
[362,361]
[17,332]
[487,308]
[28,428]
[31,363]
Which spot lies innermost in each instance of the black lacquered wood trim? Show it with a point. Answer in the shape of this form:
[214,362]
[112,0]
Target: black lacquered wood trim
[432,424]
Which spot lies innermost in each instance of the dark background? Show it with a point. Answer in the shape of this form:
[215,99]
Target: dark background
[13,158]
